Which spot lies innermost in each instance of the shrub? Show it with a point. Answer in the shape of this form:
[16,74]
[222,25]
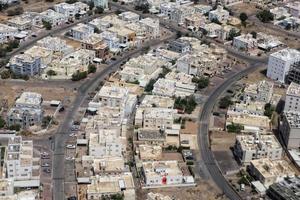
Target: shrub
[225,102]
[51,72]
[92,69]
[265,16]
[79,75]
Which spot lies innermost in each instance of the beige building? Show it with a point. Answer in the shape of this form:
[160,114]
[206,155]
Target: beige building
[257,146]
[110,184]
[269,172]
[155,118]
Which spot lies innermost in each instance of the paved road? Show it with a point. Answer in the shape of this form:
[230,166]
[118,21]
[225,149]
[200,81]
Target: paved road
[203,133]
[63,131]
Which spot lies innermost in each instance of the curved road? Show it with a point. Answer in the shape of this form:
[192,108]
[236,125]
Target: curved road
[203,132]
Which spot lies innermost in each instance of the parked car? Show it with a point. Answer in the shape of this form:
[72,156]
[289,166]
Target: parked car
[71,146]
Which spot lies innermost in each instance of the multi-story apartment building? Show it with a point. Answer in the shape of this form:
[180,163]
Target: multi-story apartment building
[111,184]
[280,62]
[290,129]
[27,110]
[70,10]
[294,73]
[81,32]
[252,147]
[261,92]
[7,33]
[105,142]
[152,27]
[179,13]
[112,96]
[164,173]
[19,159]
[23,64]
[53,17]
[155,118]
[269,172]
[219,14]
[94,42]
[180,46]
[292,99]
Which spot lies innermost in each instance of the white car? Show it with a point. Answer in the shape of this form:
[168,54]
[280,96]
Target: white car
[71,146]
[45,165]
[70,158]
[72,135]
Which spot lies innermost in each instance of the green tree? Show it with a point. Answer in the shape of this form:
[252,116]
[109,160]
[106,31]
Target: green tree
[47,25]
[225,102]
[5,74]
[79,75]
[187,104]
[243,18]
[77,16]
[99,10]
[216,21]
[92,69]
[269,109]
[51,72]
[96,30]
[234,128]
[254,34]
[149,86]
[265,16]
[201,82]
[233,33]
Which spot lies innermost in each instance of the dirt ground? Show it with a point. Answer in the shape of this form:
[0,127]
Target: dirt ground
[221,140]
[247,8]
[10,92]
[203,190]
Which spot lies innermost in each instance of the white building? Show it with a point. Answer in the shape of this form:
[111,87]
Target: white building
[105,142]
[257,146]
[279,63]
[152,26]
[294,8]
[53,17]
[244,42]
[167,8]
[111,40]
[219,14]
[129,16]
[7,33]
[6,187]
[290,129]
[292,99]
[70,10]
[73,62]
[56,45]
[111,184]
[81,32]
[142,69]
[179,13]
[165,173]
[27,110]
[279,12]
[261,92]
[269,172]
[155,118]
[19,162]
[101,3]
